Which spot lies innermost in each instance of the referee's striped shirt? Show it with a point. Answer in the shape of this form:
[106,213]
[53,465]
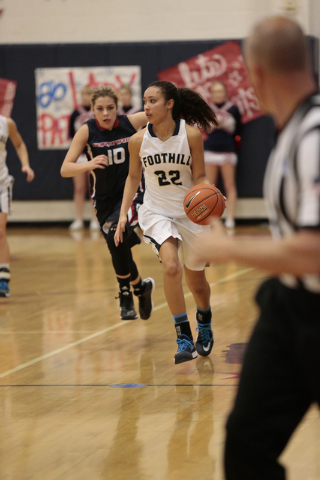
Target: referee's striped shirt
[292,181]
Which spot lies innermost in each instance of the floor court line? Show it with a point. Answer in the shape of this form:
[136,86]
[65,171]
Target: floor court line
[140,386]
[109,329]
[39,332]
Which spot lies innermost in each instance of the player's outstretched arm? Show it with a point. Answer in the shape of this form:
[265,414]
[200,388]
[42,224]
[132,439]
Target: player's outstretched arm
[21,149]
[132,184]
[69,167]
[296,255]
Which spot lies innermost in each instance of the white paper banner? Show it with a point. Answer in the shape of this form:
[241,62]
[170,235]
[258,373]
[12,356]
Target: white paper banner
[58,95]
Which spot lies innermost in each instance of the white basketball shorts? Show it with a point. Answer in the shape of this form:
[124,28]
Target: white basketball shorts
[158,228]
[219,159]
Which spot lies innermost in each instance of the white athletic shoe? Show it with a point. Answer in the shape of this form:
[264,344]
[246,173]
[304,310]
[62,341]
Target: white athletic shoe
[76,225]
[94,225]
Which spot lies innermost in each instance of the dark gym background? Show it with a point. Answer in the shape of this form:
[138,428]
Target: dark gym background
[18,62]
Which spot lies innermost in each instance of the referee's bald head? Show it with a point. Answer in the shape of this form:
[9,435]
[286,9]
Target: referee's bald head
[278,45]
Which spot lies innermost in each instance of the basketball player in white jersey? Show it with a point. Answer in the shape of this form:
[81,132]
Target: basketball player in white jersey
[171,153]
[8,129]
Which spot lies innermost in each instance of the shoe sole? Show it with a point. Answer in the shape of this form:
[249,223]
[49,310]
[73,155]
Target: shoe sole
[129,318]
[152,288]
[206,353]
[4,295]
[183,360]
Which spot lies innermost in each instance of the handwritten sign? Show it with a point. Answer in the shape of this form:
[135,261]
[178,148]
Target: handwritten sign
[58,95]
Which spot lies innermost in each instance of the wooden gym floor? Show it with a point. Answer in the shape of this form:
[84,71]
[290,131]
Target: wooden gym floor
[86,396]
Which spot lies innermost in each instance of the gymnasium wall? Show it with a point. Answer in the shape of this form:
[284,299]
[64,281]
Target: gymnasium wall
[155,35]
[314,16]
[18,62]
[73,21]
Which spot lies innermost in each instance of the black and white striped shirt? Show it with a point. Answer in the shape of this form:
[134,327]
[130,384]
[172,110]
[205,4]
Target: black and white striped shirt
[292,181]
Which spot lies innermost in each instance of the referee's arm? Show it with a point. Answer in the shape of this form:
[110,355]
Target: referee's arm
[298,254]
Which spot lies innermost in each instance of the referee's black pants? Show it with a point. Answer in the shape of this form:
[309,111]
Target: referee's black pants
[280,379]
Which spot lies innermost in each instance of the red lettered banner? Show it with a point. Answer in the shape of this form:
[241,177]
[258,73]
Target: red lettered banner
[7,93]
[224,63]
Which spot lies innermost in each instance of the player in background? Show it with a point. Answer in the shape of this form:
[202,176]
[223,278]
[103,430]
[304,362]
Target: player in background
[171,152]
[125,97]
[8,129]
[220,148]
[81,182]
[105,139]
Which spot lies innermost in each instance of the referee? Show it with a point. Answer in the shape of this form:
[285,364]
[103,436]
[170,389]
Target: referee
[281,370]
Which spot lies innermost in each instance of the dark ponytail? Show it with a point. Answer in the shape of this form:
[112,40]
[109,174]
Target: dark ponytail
[188,105]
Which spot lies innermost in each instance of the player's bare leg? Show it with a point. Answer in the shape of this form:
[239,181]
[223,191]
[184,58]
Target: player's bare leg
[200,289]
[212,173]
[172,281]
[79,194]
[228,172]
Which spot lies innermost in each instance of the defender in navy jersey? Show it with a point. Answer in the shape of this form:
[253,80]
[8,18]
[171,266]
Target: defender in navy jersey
[108,184]
[105,140]
[171,152]
[280,376]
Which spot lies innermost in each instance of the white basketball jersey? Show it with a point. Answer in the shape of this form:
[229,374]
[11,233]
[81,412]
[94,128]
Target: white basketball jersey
[4,133]
[167,168]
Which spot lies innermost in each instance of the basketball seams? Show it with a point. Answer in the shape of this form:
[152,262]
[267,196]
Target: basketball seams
[209,202]
[202,189]
[192,205]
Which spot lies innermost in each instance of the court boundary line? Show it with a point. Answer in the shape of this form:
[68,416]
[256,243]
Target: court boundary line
[45,332]
[113,385]
[109,329]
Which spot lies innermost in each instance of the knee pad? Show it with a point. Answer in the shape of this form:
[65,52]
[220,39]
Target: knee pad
[121,255]
[109,236]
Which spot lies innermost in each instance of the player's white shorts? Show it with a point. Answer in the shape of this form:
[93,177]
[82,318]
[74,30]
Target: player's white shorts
[157,228]
[82,158]
[219,159]
[6,195]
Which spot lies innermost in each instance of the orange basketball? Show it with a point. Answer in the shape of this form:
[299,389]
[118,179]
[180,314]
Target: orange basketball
[202,202]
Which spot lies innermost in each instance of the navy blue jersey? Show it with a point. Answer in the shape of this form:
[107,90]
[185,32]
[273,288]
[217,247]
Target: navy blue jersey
[108,183]
[221,139]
